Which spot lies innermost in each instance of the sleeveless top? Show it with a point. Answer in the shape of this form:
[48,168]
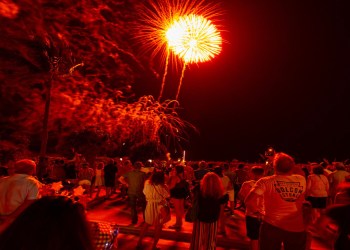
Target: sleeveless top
[181,190]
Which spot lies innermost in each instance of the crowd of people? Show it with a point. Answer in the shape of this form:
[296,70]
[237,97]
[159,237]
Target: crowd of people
[281,199]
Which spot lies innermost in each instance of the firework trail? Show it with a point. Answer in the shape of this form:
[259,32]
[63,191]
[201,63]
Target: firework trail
[164,75]
[194,39]
[180,83]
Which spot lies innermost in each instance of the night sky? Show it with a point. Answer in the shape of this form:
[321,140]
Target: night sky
[282,79]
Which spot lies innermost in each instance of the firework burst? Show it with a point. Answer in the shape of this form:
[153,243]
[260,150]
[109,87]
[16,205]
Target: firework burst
[159,16]
[194,39]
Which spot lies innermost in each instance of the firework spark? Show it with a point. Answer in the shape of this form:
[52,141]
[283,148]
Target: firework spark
[194,39]
[158,16]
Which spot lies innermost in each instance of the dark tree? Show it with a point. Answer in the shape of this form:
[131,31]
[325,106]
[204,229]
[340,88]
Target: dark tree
[76,59]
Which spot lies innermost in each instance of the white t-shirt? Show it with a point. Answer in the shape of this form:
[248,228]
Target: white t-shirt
[243,193]
[283,196]
[335,178]
[245,189]
[317,186]
[225,182]
[338,176]
[15,190]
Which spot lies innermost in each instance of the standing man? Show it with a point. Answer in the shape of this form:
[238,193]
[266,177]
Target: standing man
[18,191]
[110,170]
[283,196]
[134,181]
[199,173]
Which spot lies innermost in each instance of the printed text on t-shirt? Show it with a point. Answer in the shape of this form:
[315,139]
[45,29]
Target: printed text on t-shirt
[289,191]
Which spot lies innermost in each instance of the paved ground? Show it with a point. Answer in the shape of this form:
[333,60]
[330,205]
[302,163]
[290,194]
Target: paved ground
[116,211]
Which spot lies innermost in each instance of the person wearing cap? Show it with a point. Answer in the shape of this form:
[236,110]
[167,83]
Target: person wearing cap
[18,191]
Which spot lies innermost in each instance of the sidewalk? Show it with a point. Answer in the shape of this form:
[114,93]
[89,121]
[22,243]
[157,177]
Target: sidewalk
[116,211]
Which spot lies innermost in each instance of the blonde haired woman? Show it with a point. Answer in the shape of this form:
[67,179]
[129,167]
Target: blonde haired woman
[210,194]
[155,192]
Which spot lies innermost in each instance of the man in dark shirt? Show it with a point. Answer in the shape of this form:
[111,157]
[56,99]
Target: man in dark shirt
[134,180]
[110,171]
[203,169]
[241,176]
[70,170]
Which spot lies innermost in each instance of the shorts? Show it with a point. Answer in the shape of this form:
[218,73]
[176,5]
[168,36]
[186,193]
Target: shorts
[271,237]
[317,202]
[253,227]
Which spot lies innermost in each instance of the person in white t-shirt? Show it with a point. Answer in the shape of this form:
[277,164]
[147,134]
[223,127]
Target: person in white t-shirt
[283,196]
[335,178]
[317,190]
[18,191]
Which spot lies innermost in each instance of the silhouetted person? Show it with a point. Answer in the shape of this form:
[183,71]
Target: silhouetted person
[54,223]
[339,214]
[110,170]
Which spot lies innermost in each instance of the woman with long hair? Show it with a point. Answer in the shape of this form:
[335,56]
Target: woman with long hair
[211,195]
[155,192]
